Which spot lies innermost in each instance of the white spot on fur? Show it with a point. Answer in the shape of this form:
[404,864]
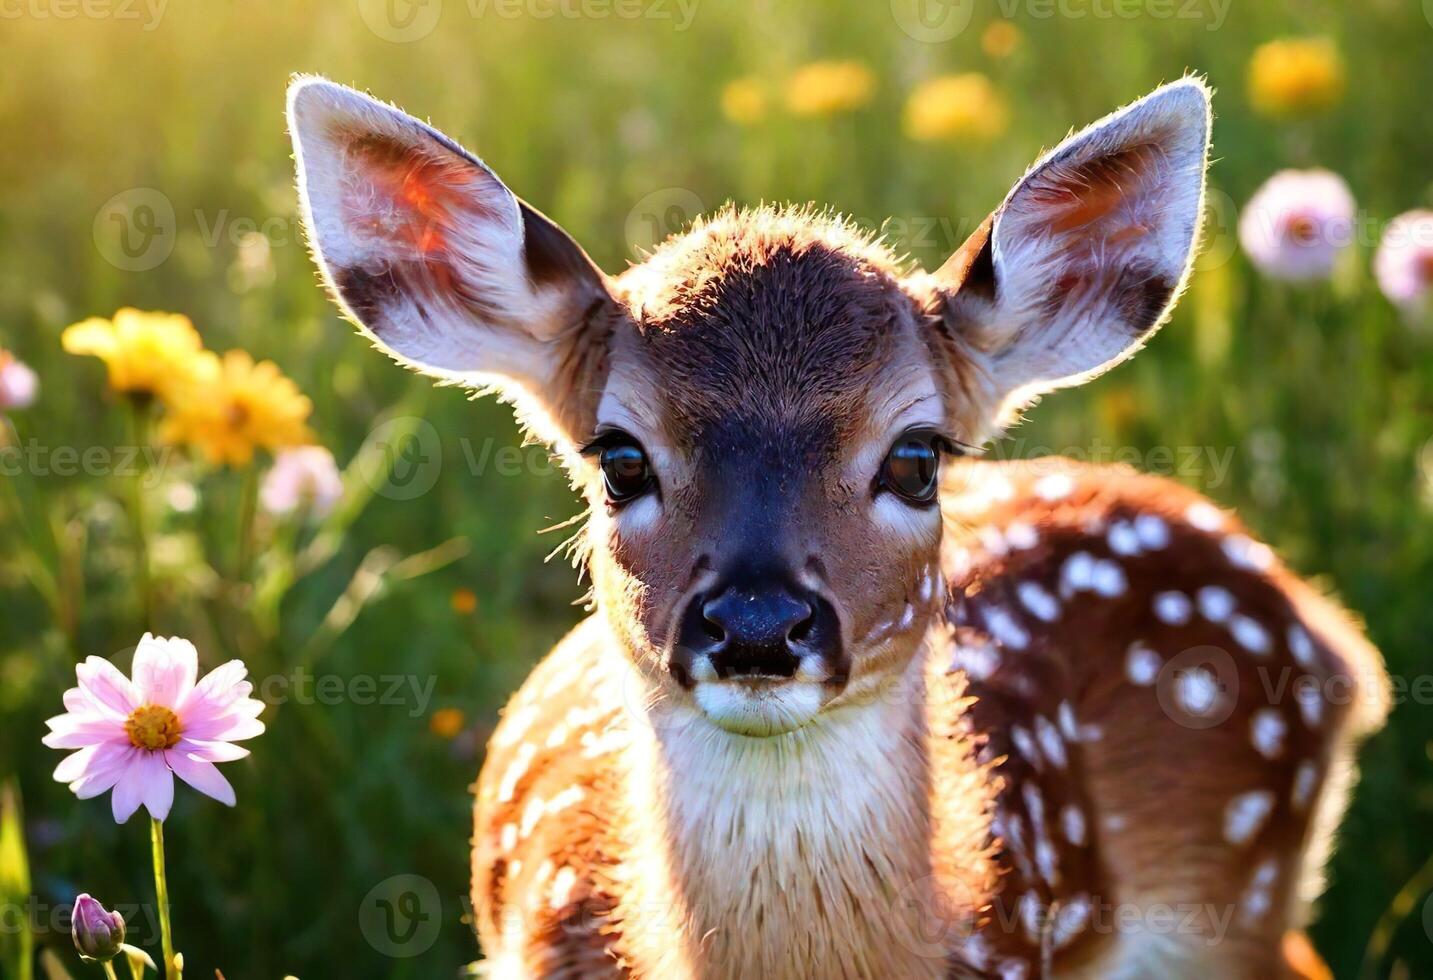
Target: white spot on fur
[1050,742]
[1108,579]
[1072,819]
[1267,730]
[1216,603]
[1245,815]
[1197,691]
[1022,536]
[1244,552]
[1153,531]
[515,726]
[1141,665]
[1250,634]
[1301,645]
[1204,515]
[1069,724]
[1039,601]
[507,840]
[1025,745]
[979,662]
[992,540]
[1003,627]
[1173,608]
[1114,822]
[1311,703]
[1306,779]
[1055,486]
[1072,919]
[1048,860]
[1013,969]
[1258,898]
[531,814]
[1123,538]
[1077,574]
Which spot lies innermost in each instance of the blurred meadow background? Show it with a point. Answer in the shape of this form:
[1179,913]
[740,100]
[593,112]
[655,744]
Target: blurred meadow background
[145,165]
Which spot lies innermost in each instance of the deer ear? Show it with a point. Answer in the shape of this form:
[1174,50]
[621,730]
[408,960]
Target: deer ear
[1083,260]
[439,263]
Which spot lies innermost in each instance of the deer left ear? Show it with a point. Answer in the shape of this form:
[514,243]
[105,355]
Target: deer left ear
[1084,259]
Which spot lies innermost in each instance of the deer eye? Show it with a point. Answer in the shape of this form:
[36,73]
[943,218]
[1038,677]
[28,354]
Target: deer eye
[626,471]
[911,469]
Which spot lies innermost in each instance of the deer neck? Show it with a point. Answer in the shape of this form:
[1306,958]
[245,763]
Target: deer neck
[805,854]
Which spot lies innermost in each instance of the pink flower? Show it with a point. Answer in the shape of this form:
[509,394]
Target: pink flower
[18,384]
[1404,261]
[1297,224]
[135,736]
[305,476]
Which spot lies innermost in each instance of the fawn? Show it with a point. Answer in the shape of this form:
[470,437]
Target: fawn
[850,705]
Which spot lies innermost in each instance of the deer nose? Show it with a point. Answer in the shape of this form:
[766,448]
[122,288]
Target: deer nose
[753,630]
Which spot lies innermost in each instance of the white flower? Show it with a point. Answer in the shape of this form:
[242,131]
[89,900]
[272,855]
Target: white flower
[304,477]
[1297,224]
[1404,262]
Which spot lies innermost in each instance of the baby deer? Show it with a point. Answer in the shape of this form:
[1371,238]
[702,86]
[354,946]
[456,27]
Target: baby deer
[849,706]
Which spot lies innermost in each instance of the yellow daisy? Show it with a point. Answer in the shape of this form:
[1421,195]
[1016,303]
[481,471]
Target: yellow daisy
[1296,76]
[233,406]
[825,88]
[743,101]
[146,353]
[964,106]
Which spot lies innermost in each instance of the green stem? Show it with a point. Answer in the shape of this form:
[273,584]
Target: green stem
[139,432]
[109,971]
[161,891]
[248,507]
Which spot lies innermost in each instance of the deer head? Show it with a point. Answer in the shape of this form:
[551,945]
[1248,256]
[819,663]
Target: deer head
[756,414]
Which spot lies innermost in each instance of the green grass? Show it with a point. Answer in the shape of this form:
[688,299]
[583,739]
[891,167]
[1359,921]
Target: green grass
[1323,398]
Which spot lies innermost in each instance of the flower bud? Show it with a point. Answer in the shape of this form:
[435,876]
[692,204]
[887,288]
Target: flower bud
[98,934]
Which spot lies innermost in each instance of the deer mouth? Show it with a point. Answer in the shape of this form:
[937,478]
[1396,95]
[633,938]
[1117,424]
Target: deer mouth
[761,707]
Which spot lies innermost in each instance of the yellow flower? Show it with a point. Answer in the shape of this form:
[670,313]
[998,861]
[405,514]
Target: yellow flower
[232,406]
[1000,39]
[146,353]
[743,101]
[464,601]
[956,106]
[446,722]
[824,88]
[1295,76]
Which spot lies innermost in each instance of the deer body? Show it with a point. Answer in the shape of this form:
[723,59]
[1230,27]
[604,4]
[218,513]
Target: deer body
[840,712]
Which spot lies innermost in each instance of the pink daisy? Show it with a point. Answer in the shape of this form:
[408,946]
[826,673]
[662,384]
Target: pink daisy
[1404,261]
[135,736]
[1297,224]
[302,477]
[18,384]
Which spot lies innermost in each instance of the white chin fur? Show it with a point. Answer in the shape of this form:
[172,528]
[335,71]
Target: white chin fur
[761,708]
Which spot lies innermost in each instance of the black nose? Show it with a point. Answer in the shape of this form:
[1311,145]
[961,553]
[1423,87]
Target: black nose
[756,630]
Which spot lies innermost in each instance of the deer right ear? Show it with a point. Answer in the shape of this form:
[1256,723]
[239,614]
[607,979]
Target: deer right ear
[1084,259]
[440,264]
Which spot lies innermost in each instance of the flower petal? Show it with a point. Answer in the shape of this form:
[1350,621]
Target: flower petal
[219,688]
[211,751]
[76,765]
[202,775]
[225,728]
[165,669]
[128,792]
[103,681]
[77,731]
[109,763]
[158,788]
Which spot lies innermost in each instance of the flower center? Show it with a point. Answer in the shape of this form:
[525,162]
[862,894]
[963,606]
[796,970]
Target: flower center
[237,415]
[153,727]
